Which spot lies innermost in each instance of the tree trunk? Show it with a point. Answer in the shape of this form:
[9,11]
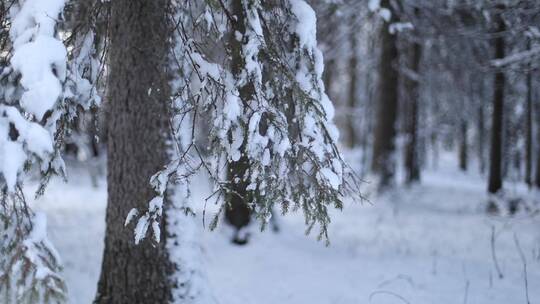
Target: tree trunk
[387,103]
[137,127]
[329,69]
[353,90]
[412,163]
[481,135]
[463,145]
[537,178]
[238,213]
[528,130]
[495,172]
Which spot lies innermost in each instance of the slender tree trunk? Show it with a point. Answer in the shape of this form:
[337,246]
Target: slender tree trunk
[412,163]
[353,90]
[495,172]
[481,135]
[463,145]
[528,130]
[238,213]
[137,128]
[368,114]
[537,178]
[387,104]
[329,69]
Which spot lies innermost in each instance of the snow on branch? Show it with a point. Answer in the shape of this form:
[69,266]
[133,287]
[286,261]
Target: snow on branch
[517,58]
[269,109]
[36,112]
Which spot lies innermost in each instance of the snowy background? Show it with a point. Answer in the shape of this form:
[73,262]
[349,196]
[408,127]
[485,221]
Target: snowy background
[427,244]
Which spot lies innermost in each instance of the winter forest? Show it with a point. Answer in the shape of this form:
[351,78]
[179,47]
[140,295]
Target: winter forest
[270,151]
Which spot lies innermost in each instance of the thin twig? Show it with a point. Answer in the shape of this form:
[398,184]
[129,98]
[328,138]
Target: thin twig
[386,292]
[524,261]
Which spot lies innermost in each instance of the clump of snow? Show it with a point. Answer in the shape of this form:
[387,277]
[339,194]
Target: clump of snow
[40,60]
[306,28]
[42,65]
[400,27]
[31,138]
[38,56]
[385,14]
[375,7]
[331,177]
[12,156]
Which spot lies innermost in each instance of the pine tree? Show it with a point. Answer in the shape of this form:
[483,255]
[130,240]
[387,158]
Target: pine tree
[268,107]
[38,107]
[288,149]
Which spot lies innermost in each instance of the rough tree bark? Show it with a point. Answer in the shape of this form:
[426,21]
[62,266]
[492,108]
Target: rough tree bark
[137,123]
[387,102]
[238,213]
[495,172]
[412,163]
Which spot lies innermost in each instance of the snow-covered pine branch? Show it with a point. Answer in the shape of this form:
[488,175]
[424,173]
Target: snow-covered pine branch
[39,101]
[269,110]
[87,53]
[523,57]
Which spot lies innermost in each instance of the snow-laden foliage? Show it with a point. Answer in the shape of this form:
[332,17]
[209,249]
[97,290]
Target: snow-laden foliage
[269,110]
[29,264]
[40,96]
[85,62]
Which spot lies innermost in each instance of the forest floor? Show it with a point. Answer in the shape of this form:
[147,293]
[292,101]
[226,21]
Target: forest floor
[426,244]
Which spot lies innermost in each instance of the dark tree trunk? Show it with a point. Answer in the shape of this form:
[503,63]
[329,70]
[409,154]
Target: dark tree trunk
[387,103]
[528,130]
[329,68]
[412,163]
[463,145]
[238,213]
[353,90]
[137,123]
[481,135]
[495,172]
[537,178]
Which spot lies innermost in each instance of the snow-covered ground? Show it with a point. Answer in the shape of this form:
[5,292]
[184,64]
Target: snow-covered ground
[428,244]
